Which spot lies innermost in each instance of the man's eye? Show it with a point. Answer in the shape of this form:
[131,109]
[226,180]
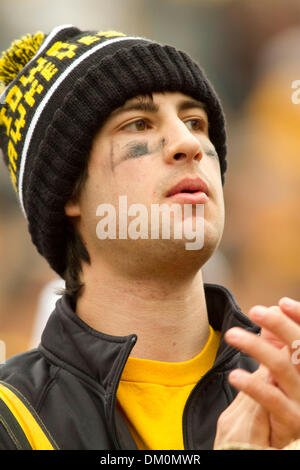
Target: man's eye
[195,124]
[139,125]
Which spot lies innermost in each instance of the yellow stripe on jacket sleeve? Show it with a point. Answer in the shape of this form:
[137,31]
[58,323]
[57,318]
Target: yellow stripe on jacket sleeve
[33,431]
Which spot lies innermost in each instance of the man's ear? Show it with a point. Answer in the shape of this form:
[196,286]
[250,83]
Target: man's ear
[72,208]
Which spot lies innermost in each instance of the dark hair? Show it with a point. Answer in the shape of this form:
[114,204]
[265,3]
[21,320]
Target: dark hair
[76,251]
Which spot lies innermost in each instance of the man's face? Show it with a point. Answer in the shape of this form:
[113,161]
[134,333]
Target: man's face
[142,151]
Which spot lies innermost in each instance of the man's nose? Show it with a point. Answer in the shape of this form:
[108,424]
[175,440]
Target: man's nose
[181,144]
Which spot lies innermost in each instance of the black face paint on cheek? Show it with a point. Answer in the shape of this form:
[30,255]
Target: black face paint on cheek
[140,149]
[137,149]
[210,152]
[163,143]
[113,156]
[112,165]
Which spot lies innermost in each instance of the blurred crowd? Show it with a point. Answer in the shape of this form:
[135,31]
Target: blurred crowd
[250,51]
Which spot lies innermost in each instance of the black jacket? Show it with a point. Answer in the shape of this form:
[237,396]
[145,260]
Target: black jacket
[71,379]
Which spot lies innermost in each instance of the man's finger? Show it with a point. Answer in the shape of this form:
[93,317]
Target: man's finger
[279,364]
[275,321]
[270,397]
[291,308]
[271,338]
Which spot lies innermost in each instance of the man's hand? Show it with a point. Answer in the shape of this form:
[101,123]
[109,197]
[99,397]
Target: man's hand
[244,421]
[279,392]
[289,307]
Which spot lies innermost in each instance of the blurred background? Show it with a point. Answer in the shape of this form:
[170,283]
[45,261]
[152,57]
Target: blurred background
[250,50]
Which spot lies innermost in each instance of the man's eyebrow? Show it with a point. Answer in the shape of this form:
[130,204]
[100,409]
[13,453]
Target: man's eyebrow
[140,105]
[190,103]
[148,105]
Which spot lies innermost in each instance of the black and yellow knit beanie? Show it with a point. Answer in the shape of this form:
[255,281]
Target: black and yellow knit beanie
[57,89]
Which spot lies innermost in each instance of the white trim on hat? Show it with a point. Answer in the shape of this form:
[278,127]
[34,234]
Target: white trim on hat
[47,97]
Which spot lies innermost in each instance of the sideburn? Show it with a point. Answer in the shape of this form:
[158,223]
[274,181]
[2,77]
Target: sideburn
[76,252]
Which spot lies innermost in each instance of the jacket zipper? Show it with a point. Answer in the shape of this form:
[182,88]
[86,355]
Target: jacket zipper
[218,364]
[111,411]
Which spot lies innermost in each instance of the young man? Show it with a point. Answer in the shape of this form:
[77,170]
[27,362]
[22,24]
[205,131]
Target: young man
[134,355]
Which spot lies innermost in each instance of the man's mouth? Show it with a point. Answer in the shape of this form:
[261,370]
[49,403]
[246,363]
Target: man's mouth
[190,190]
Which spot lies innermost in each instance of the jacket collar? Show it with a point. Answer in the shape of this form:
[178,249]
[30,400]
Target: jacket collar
[224,313]
[102,357]
[78,347]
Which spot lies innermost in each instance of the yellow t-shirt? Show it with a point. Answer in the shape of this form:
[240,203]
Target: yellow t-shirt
[151,396]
